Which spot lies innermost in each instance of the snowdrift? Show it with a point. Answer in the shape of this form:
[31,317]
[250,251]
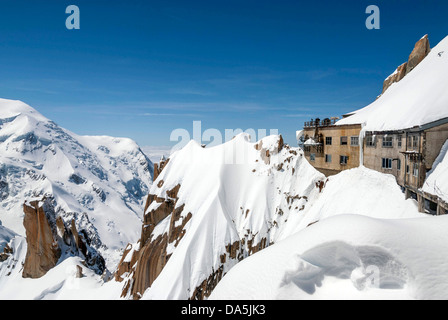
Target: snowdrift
[348,257]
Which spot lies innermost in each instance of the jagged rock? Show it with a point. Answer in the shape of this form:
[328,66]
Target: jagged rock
[7,251]
[79,272]
[149,256]
[158,167]
[4,190]
[205,289]
[395,77]
[421,50]
[43,251]
[48,237]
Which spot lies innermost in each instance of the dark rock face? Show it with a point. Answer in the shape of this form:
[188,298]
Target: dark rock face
[43,250]
[421,50]
[396,77]
[4,190]
[150,255]
[48,239]
[158,168]
[7,251]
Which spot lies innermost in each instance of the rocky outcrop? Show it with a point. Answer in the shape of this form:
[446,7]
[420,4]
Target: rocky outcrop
[395,77]
[141,263]
[7,251]
[421,50]
[158,167]
[49,239]
[266,153]
[43,251]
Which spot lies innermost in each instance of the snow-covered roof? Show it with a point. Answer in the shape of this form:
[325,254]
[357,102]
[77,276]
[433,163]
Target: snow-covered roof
[421,97]
[311,142]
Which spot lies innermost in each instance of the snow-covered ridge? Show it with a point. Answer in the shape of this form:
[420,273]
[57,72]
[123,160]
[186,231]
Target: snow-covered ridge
[421,97]
[235,199]
[101,182]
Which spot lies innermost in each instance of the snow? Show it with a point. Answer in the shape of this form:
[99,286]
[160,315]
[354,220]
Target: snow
[218,194]
[5,236]
[421,97]
[218,185]
[311,142]
[359,191]
[101,182]
[60,283]
[347,257]
[436,182]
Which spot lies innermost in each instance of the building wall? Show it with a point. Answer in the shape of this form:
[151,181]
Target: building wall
[335,149]
[434,140]
[373,156]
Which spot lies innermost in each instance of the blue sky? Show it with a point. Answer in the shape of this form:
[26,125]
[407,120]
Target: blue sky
[141,69]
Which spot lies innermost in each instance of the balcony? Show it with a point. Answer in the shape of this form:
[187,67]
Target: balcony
[327,122]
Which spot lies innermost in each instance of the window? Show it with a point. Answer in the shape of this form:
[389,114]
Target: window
[398,164]
[328,158]
[354,141]
[370,141]
[328,141]
[407,169]
[415,142]
[344,141]
[415,170]
[387,142]
[387,163]
[343,160]
[313,157]
[399,141]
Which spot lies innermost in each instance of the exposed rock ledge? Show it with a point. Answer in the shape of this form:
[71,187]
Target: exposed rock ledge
[49,239]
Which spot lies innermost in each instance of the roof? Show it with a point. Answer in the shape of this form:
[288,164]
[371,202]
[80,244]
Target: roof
[419,99]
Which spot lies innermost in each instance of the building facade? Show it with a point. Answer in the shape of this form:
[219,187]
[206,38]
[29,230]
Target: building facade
[406,154]
[331,148]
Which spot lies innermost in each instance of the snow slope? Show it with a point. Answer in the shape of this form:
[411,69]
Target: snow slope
[59,283]
[419,98]
[101,182]
[255,200]
[436,182]
[360,191]
[348,257]
[235,195]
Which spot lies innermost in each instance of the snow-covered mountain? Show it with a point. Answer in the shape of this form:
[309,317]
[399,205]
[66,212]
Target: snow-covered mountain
[210,208]
[99,182]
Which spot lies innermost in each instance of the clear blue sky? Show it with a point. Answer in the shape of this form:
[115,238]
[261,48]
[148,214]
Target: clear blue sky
[141,69]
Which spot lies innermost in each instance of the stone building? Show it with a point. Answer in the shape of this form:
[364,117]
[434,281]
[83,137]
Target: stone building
[401,133]
[331,148]
[408,155]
